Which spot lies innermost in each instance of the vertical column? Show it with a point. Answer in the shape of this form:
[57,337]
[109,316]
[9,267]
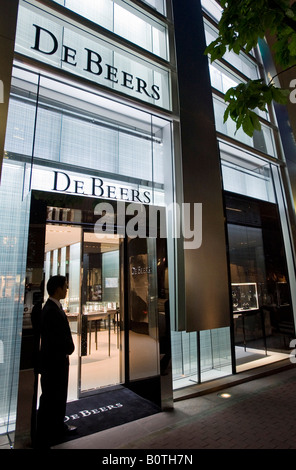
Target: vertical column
[206,270]
[8,19]
[286,122]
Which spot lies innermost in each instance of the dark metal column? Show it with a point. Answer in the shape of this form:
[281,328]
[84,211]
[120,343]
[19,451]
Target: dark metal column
[206,273]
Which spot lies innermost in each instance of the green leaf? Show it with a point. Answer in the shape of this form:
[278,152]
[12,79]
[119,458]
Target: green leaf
[241,24]
[226,115]
[248,126]
[290,13]
[255,121]
[280,95]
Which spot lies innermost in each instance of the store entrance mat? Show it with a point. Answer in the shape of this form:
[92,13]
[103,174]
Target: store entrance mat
[106,410]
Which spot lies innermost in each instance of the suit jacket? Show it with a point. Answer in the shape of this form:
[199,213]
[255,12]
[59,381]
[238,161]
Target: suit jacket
[56,339]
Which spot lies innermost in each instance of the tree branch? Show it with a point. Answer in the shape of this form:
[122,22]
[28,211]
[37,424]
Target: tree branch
[282,71]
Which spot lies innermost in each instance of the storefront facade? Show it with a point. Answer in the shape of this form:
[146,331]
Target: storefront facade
[177,251]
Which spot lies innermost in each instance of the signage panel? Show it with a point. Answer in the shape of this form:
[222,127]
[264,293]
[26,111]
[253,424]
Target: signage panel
[61,181]
[54,41]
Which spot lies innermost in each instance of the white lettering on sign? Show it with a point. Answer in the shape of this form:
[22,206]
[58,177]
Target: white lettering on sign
[95,411]
[52,40]
[96,187]
[141,270]
[93,64]
[90,186]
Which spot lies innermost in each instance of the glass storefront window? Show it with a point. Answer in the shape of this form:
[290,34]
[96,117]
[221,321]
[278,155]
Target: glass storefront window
[261,300]
[240,61]
[124,19]
[13,250]
[200,356]
[215,354]
[158,5]
[246,174]
[184,355]
[90,55]
[78,134]
[222,79]
[15,294]
[212,9]
[262,140]
[76,128]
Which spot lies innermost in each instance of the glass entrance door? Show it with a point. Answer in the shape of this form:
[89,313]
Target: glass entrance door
[100,312]
[91,264]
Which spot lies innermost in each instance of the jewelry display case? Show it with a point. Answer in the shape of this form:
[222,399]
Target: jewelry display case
[244,297]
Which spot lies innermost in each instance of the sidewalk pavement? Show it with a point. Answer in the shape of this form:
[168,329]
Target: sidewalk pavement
[259,414]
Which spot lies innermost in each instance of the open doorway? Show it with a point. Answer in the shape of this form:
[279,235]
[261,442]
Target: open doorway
[91,264]
[117,306]
[117,302]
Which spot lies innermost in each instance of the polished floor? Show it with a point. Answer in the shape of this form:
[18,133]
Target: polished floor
[99,368]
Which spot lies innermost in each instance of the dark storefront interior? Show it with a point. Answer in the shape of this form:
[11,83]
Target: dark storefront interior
[261,302]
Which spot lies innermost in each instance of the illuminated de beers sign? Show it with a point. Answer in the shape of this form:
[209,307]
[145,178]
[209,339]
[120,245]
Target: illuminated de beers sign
[55,41]
[93,64]
[84,185]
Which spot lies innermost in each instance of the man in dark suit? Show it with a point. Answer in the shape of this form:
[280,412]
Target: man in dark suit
[56,346]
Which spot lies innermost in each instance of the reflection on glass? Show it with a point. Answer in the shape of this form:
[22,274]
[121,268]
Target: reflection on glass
[143,334]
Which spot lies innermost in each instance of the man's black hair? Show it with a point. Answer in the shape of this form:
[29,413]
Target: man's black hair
[54,283]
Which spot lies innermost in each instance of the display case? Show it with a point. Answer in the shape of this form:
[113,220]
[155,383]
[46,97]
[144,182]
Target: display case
[244,297]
